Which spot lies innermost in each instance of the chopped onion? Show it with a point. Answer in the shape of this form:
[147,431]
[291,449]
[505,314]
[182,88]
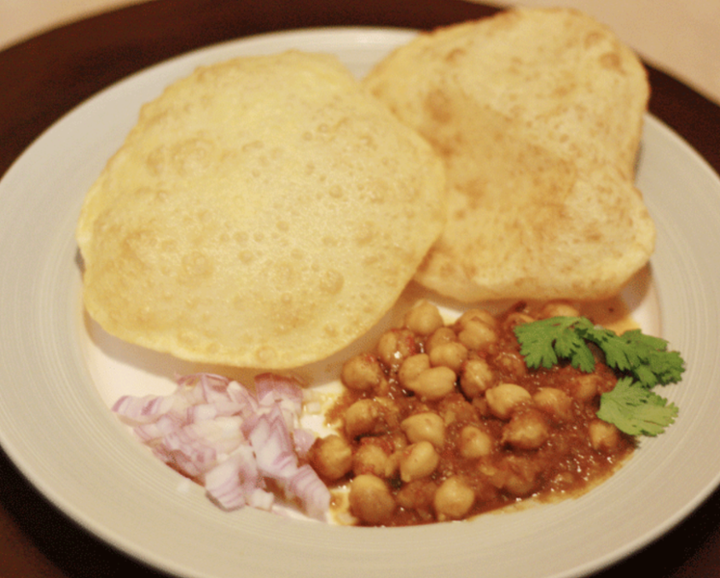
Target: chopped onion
[218,433]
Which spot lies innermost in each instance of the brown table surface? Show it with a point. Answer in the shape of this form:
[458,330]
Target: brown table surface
[45,76]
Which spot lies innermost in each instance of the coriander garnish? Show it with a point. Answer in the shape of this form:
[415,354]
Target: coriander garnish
[640,361]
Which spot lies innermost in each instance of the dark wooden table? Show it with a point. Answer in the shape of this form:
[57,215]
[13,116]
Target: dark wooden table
[44,77]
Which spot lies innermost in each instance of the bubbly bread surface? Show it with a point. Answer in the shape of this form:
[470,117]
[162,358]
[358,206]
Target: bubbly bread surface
[537,114]
[264,212]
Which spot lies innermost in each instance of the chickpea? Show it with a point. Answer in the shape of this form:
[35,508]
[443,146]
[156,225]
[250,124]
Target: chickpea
[511,363]
[372,459]
[362,372]
[481,407]
[503,399]
[517,318]
[426,426]
[451,355]
[331,457]
[424,318]
[585,387]
[454,407]
[519,475]
[474,442]
[471,315]
[417,495]
[526,431]
[558,309]
[412,367]
[395,346]
[370,499]
[440,336]
[434,383]
[362,417]
[477,334]
[399,440]
[476,377]
[604,437]
[485,490]
[453,499]
[417,461]
[389,413]
[555,402]
[494,475]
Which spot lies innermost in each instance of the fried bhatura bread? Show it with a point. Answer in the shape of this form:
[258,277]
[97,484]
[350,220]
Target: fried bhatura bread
[537,114]
[264,212]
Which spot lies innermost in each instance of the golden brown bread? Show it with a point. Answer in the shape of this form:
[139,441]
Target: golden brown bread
[263,212]
[537,114]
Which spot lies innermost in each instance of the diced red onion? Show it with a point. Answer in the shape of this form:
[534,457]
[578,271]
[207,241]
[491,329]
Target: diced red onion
[232,481]
[261,499]
[215,431]
[162,426]
[310,490]
[144,409]
[302,441]
[272,387]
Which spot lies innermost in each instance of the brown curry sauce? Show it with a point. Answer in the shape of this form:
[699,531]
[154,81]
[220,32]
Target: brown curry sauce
[567,462]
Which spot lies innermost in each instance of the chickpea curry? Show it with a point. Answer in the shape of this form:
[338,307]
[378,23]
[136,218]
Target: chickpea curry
[445,422]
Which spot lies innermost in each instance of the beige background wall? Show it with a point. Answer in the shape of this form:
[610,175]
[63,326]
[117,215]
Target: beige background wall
[680,36]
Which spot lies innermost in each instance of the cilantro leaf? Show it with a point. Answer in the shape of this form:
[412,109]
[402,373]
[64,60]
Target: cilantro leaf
[640,361]
[644,356]
[636,410]
[544,342]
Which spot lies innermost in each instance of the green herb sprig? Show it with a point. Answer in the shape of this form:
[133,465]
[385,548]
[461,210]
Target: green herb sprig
[640,361]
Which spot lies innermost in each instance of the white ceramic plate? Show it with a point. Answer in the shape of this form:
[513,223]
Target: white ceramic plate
[58,374]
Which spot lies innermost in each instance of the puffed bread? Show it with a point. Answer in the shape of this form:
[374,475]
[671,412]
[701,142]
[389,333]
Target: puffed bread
[537,114]
[264,212]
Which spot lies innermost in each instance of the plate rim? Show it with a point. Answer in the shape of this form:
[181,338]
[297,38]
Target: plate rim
[47,491]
